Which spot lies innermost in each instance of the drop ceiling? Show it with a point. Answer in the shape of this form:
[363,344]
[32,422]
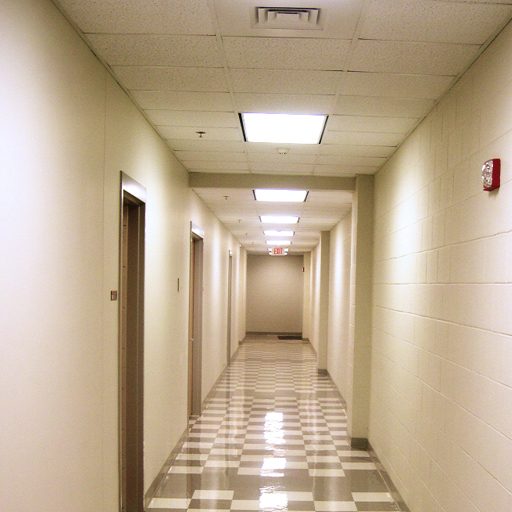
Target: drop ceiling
[376,67]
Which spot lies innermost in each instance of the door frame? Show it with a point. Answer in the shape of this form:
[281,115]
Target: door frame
[229,306]
[195,336]
[132,194]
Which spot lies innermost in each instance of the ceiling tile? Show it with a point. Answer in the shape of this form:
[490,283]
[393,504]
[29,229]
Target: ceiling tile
[206,145]
[338,20]
[379,106]
[353,150]
[172,79]
[284,103]
[379,139]
[271,158]
[427,20]
[275,53]
[284,81]
[367,161]
[222,156]
[407,57]
[394,86]
[189,118]
[371,124]
[189,132]
[198,101]
[157,50]
[135,16]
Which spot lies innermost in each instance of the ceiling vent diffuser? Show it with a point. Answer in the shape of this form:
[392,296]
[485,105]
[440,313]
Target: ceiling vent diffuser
[291,18]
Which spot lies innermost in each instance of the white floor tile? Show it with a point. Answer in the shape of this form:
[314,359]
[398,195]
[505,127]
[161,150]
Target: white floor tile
[187,470]
[202,494]
[326,472]
[368,497]
[169,503]
[358,465]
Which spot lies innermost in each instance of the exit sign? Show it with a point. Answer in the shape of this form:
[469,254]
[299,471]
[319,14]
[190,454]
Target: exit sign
[278,251]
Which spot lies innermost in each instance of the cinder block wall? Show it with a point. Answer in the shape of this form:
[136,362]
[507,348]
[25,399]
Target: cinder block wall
[441,409]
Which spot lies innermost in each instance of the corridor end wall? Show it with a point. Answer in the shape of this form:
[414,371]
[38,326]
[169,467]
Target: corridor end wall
[275,293]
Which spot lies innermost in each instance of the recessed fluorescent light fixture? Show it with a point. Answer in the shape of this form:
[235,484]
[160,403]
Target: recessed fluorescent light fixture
[283,128]
[275,232]
[280,195]
[279,219]
[279,243]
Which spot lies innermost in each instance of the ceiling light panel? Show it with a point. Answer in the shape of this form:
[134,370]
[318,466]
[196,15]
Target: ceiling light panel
[280,195]
[276,232]
[283,128]
[278,243]
[279,219]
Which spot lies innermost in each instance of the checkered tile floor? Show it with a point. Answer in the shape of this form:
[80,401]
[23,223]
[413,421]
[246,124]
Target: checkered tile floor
[272,437]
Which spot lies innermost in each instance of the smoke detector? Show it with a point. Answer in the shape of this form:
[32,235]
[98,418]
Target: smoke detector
[291,18]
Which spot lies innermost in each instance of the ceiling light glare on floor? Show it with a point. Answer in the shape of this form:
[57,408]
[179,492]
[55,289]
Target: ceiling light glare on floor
[280,195]
[283,128]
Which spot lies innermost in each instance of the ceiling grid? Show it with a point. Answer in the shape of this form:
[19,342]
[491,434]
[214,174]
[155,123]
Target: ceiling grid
[376,67]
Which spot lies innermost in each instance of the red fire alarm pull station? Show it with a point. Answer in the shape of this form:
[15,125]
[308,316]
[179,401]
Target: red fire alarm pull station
[491,174]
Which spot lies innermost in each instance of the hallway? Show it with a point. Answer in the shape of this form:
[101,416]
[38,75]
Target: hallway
[133,182]
[272,437]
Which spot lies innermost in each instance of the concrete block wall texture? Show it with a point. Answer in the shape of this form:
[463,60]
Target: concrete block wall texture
[67,129]
[441,397]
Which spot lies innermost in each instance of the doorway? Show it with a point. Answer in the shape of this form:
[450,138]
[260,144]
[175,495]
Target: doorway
[195,326]
[230,283]
[131,345]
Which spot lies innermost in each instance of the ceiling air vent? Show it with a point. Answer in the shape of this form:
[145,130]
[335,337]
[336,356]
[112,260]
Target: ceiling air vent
[291,18]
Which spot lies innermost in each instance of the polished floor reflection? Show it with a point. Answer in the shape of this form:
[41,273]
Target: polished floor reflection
[272,437]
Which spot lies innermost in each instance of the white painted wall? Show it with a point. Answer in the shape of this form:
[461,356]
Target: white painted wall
[274,293]
[340,351]
[320,298]
[441,413]
[66,131]
[315,296]
[306,301]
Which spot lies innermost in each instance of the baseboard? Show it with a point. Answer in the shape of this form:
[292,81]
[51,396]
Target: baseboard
[177,449]
[395,494]
[165,468]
